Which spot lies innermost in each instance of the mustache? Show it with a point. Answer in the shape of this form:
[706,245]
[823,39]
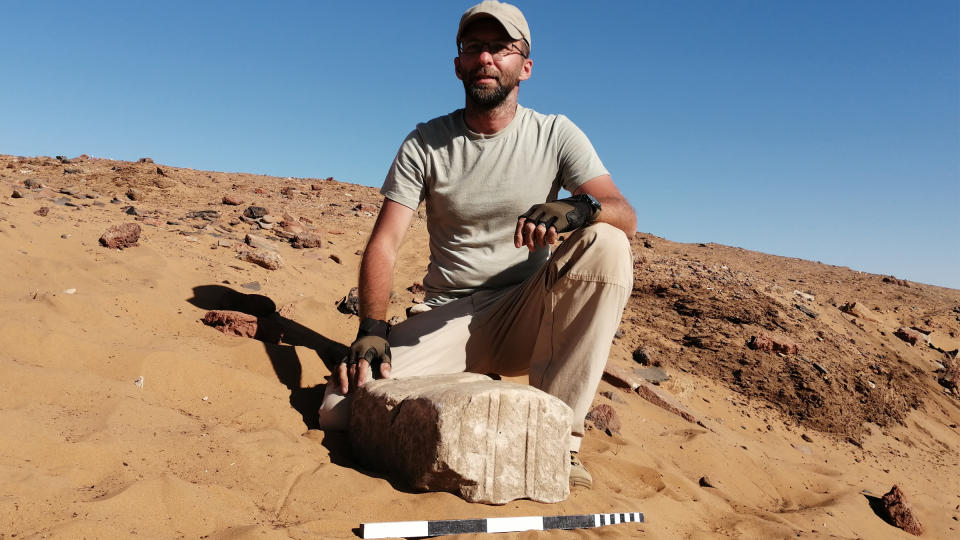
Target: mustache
[484,72]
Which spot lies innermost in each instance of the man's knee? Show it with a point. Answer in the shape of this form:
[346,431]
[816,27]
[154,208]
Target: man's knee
[602,250]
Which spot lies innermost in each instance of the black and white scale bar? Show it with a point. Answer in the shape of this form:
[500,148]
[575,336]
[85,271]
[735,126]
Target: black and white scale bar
[394,529]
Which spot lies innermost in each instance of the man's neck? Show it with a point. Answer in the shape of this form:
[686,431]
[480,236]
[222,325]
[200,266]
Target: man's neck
[490,121]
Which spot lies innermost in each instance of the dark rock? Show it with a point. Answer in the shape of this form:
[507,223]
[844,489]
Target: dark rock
[232,200]
[897,512]
[42,211]
[335,259]
[819,368]
[132,211]
[604,417]
[237,323]
[705,482]
[807,311]
[253,285]
[71,170]
[895,281]
[909,335]
[145,160]
[350,304]
[121,236]
[63,160]
[209,215]
[806,438]
[134,194]
[951,377]
[160,172]
[72,191]
[255,212]
[641,356]
[32,184]
[16,194]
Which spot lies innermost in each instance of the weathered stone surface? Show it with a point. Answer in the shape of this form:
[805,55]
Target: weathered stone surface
[951,376]
[605,418]
[653,374]
[909,335]
[665,401]
[350,304]
[232,200]
[773,343]
[898,513]
[121,236]
[641,356]
[486,441]
[858,310]
[258,242]
[270,260]
[237,323]
[307,239]
[620,377]
[255,212]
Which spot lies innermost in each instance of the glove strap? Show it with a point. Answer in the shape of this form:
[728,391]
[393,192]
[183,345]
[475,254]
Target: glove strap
[373,327]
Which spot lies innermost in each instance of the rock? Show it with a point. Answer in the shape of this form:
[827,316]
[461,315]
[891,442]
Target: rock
[160,171]
[654,375]
[705,482]
[63,159]
[909,335]
[164,183]
[69,190]
[71,170]
[253,285]
[271,219]
[486,441]
[134,194]
[209,215]
[807,311]
[291,224]
[773,343]
[232,200]
[271,260]
[858,310]
[951,377]
[42,211]
[898,513]
[237,323]
[335,259]
[895,281]
[604,417]
[666,402]
[258,242]
[32,184]
[145,160]
[16,194]
[805,296]
[121,236]
[641,356]
[350,304]
[620,377]
[614,397]
[307,239]
[255,212]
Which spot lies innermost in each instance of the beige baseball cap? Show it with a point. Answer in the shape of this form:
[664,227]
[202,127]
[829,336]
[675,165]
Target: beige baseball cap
[509,16]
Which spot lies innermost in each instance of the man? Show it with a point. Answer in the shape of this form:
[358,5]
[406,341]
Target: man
[499,301]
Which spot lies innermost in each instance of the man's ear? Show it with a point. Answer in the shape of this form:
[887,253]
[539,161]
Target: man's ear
[527,69]
[456,67]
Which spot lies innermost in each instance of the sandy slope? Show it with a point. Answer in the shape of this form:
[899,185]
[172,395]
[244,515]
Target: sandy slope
[216,443]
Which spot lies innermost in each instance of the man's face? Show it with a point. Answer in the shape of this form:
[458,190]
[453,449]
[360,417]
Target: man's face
[488,77]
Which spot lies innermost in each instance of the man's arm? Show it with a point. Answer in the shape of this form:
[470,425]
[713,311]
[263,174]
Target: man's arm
[615,210]
[376,281]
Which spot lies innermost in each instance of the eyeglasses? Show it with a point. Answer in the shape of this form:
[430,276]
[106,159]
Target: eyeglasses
[498,49]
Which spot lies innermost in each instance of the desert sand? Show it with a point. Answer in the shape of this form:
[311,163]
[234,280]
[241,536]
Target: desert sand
[122,414]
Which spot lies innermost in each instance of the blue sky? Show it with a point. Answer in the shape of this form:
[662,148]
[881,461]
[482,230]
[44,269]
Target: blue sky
[825,130]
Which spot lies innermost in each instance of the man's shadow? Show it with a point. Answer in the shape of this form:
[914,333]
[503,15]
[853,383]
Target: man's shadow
[279,336]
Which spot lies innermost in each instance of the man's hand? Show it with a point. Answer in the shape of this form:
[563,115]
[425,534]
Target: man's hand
[368,354]
[541,224]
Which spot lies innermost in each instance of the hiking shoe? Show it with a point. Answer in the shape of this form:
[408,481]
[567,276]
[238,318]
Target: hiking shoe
[579,475]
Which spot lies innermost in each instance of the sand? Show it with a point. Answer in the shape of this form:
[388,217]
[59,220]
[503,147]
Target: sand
[121,414]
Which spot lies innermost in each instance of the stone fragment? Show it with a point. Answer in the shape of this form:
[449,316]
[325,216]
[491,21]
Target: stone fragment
[614,397]
[42,211]
[335,258]
[271,260]
[160,171]
[350,304]
[232,200]
[258,242]
[896,511]
[209,215]
[16,194]
[641,356]
[307,239]
[237,323]
[605,418]
[620,377]
[805,296]
[858,310]
[271,219]
[253,285]
[121,236]
[706,482]
[145,160]
[486,441]
[667,402]
[773,343]
[951,377]
[895,281]
[654,375]
[71,170]
[32,184]
[255,212]
[807,311]
[134,194]
[909,335]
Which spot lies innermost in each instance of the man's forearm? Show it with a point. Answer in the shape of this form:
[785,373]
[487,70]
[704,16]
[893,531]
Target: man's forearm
[617,212]
[376,281]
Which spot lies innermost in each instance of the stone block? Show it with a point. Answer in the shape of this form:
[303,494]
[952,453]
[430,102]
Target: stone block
[484,440]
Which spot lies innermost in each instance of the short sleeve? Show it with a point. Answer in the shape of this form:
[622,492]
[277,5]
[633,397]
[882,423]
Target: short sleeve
[579,162]
[405,180]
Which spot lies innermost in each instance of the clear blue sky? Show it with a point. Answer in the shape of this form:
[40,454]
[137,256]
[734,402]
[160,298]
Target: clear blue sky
[825,130]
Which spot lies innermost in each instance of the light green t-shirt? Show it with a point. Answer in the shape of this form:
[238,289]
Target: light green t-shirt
[476,185]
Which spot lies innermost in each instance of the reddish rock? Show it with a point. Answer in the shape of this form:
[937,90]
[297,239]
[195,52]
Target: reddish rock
[605,418]
[42,211]
[773,343]
[666,402]
[121,236]
[895,281]
[232,200]
[951,377]
[898,513]
[145,160]
[237,323]
[909,335]
[316,187]
[307,239]
[620,377]
[259,191]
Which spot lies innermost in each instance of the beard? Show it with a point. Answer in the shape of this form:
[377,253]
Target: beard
[490,98]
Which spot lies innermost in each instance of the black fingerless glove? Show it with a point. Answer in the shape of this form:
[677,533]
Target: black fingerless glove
[371,344]
[564,214]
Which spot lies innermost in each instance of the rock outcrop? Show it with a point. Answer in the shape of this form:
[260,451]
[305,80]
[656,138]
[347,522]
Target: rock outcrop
[486,441]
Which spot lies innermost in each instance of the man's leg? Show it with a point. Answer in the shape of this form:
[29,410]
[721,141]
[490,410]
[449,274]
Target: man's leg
[560,323]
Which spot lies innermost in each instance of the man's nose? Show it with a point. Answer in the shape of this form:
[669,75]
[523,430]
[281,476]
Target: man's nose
[486,57]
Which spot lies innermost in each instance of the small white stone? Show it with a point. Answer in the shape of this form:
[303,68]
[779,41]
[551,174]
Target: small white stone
[69,291]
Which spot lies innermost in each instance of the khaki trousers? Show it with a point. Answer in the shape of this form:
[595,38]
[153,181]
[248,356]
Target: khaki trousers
[557,327]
